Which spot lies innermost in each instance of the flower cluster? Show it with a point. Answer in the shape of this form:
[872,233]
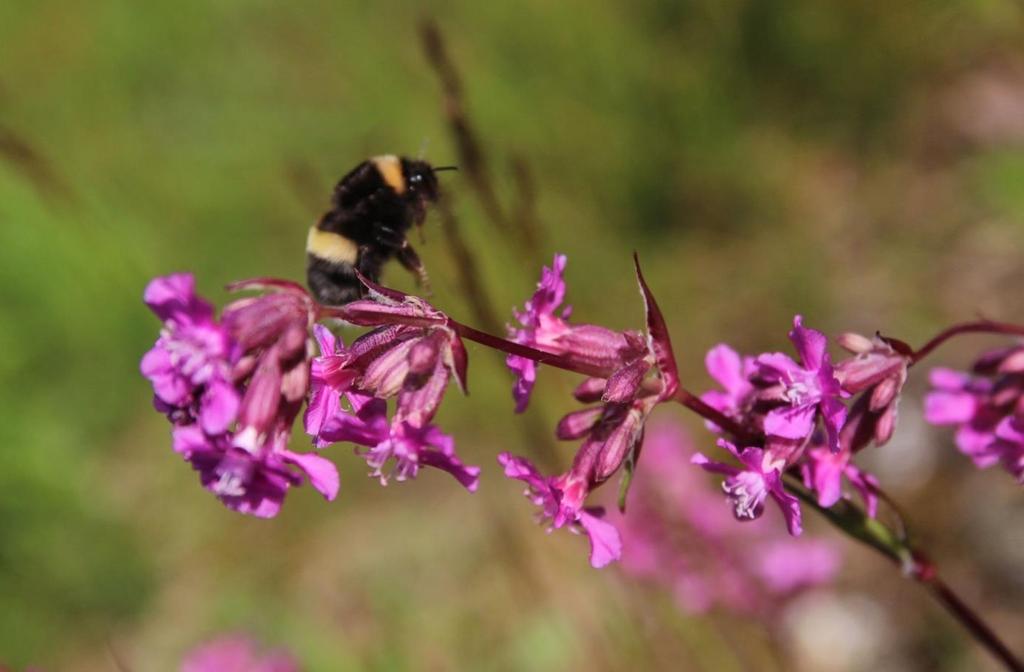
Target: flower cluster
[232,389]
[633,374]
[678,536]
[986,406]
[412,363]
[793,416]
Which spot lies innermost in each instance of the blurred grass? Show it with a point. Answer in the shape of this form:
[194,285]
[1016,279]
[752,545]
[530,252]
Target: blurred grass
[764,157]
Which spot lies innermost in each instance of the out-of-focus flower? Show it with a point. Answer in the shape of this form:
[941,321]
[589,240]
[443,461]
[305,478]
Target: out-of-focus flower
[190,364]
[748,488]
[985,407]
[237,653]
[806,389]
[244,380]
[560,501]
[677,534]
[544,328]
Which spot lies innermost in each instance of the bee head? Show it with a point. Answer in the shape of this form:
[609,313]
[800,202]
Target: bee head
[421,179]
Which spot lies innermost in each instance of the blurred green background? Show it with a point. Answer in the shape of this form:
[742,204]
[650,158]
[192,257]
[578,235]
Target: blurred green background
[859,162]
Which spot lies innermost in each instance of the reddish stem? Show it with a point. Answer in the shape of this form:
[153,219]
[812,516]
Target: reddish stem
[505,345]
[970,620]
[979,327]
[701,408]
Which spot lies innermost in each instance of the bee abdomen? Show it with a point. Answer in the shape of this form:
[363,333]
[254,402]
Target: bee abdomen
[330,259]
[332,283]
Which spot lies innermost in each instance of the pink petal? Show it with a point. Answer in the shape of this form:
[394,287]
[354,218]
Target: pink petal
[605,542]
[322,473]
[791,423]
[218,407]
[725,366]
[811,344]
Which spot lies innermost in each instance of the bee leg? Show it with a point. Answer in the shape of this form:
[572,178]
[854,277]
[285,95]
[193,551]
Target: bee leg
[411,261]
[390,238]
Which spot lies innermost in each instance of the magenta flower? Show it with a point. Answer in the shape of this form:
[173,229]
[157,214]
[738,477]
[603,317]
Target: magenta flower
[190,365]
[412,446]
[1009,446]
[678,536]
[237,653]
[560,501]
[543,328]
[824,471]
[613,431]
[806,389]
[247,378]
[877,371]
[965,401]
[406,445]
[748,488]
[734,374]
[329,378]
[411,354]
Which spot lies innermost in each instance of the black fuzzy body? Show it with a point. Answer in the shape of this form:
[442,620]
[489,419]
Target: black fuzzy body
[373,207]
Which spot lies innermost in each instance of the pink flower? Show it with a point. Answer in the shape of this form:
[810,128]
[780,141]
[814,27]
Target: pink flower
[400,442]
[824,471]
[329,379]
[237,653]
[677,535]
[560,500]
[543,328]
[806,389]
[190,365]
[748,488]
[983,408]
[248,380]
[877,372]
[411,354]
[734,374]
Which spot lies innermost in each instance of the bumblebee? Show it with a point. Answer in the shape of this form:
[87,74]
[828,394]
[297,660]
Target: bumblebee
[372,210]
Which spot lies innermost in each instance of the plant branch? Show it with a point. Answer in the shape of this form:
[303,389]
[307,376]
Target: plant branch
[915,565]
[979,327]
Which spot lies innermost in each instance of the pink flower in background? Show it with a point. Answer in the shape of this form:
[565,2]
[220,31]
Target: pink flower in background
[678,534]
[984,407]
[560,500]
[806,389]
[749,487]
[237,653]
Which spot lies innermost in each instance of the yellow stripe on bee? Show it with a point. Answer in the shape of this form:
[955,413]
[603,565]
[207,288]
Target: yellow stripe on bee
[331,246]
[390,167]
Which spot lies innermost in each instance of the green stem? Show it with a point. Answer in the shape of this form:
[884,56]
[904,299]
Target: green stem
[915,565]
